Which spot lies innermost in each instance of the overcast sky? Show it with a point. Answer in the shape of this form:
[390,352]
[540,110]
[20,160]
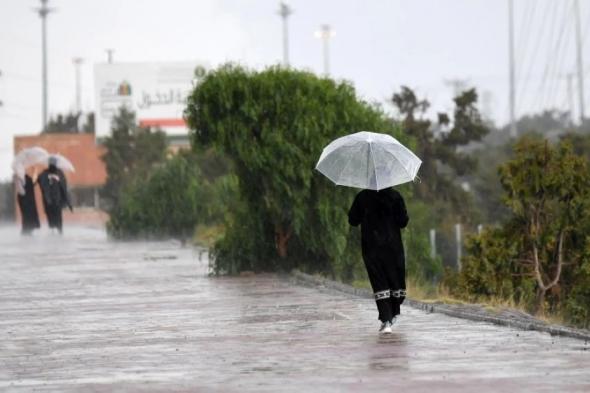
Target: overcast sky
[379,46]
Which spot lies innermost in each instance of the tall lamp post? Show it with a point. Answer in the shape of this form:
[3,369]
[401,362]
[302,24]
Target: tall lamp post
[77,63]
[110,55]
[1,103]
[511,91]
[284,12]
[579,61]
[43,11]
[325,34]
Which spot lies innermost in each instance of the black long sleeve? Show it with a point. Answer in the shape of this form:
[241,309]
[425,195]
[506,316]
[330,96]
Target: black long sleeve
[400,213]
[64,190]
[355,214]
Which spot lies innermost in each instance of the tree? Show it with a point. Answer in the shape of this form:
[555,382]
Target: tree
[490,268]
[439,145]
[487,190]
[496,148]
[273,125]
[70,123]
[169,202]
[132,152]
[542,250]
[446,164]
[544,123]
[546,188]
[89,124]
[577,303]
[580,142]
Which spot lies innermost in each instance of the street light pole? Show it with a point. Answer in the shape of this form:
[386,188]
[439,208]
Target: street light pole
[579,60]
[77,63]
[326,33]
[284,12]
[110,53]
[512,99]
[43,11]
[570,96]
[1,103]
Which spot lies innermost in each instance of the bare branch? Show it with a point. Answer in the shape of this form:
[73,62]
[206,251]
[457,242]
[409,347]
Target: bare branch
[559,259]
[523,275]
[537,269]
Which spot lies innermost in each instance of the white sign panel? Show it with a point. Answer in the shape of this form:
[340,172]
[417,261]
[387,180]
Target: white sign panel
[156,92]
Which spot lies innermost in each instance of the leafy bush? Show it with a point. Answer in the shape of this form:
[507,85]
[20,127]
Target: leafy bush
[538,257]
[419,264]
[273,125]
[491,269]
[169,202]
[577,301]
[131,153]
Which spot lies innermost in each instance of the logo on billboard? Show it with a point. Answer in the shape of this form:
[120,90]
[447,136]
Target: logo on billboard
[114,95]
[124,89]
[156,92]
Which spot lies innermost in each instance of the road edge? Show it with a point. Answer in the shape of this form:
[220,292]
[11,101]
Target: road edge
[456,311]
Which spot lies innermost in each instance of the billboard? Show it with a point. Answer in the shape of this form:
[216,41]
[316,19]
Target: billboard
[156,92]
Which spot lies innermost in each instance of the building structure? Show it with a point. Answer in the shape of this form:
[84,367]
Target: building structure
[84,184]
[156,92]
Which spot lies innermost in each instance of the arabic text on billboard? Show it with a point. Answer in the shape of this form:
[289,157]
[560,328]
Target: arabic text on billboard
[156,92]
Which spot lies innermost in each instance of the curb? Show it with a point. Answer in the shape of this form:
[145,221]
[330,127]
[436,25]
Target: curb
[462,312]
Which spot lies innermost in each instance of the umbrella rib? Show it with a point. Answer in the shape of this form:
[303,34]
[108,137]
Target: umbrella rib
[374,166]
[343,169]
[401,164]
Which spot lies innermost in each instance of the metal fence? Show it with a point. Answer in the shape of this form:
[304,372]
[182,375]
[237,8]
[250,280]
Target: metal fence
[448,243]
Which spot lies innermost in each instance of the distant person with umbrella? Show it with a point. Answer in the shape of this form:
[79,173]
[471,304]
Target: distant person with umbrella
[24,185]
[376,162]
[25,195]
[54,188]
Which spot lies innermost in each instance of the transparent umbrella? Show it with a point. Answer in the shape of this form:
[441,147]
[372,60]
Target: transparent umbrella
[63,163]
[368,160]
[28,157]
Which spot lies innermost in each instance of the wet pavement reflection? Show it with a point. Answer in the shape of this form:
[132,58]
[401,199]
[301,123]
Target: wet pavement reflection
[80,313]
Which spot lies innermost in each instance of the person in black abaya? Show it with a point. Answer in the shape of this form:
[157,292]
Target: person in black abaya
[27,205]
[381,215]
[54,188]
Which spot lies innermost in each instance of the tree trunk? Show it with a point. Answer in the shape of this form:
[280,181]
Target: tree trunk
[282,237]
[540,301]
[542,287]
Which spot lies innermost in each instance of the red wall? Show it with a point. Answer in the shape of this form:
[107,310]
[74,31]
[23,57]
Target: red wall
[84,153]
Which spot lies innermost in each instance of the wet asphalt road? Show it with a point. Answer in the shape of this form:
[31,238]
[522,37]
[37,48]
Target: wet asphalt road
[80,313]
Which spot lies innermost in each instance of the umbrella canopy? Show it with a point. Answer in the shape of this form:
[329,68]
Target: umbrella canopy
[28,157]
[63,163]
[368,160]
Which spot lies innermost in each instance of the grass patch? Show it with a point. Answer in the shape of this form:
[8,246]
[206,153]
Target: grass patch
[428,292]
[438,293]
[207,235]
[362,284]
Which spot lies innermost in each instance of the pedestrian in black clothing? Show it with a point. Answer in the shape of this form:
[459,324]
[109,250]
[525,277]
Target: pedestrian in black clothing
[54,188]
[381,215]
[25,196]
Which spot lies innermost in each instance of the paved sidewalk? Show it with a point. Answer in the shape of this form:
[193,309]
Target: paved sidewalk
[84,314]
